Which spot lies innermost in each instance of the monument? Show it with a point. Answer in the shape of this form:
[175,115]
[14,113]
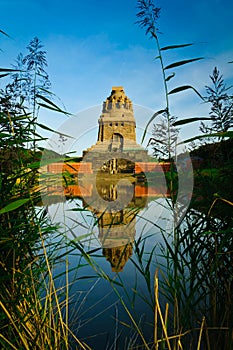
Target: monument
[116,149]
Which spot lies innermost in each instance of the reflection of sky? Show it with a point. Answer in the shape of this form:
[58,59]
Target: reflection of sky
[94,299]
[82,224]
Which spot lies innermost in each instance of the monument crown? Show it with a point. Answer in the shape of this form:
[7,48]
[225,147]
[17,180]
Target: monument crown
[117,101]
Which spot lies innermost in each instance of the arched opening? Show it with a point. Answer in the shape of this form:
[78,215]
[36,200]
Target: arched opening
[116,143]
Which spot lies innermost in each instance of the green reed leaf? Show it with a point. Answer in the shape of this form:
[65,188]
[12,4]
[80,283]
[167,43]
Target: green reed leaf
[170,77]
[3,135]
[190,120]
[217,134]
[151,119]
[185,87]
[49,129]
[14,205]
[50,105]
[45,99]
[4,33]
[153,34]
[170,47]
[3,75]
[9,70]
[181,63]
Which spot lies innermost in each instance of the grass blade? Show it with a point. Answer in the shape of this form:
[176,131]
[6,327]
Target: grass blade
[14,205]
[151,119]
[50,105]
[185,87]
[174,47]
[217,134]
[181,63]
[170,77]
[190,120]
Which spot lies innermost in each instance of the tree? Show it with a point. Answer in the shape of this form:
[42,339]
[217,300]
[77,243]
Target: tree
[164,147]
[221,105]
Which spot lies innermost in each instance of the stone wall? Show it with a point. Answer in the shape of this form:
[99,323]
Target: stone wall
[130,160]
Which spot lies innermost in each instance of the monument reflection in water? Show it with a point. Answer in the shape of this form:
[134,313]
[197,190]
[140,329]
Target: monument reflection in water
[115,202]
[116,224]
[105,179]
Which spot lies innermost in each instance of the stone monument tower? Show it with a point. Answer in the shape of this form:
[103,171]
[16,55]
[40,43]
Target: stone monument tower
[117,124]
[116,143]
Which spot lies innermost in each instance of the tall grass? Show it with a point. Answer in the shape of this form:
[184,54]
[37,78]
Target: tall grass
[33,308]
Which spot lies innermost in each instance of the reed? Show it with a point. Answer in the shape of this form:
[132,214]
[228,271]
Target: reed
[34,310]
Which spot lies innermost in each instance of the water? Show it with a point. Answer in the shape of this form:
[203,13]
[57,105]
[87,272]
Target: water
[118,234]
[118,226]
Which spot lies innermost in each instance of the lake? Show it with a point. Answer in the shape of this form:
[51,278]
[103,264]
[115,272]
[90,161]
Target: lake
[118,225]
[115,233]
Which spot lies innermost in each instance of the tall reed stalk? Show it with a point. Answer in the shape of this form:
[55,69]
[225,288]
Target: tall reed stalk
[148,16]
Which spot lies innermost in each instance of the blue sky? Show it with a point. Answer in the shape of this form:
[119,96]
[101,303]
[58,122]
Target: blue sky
[94,45]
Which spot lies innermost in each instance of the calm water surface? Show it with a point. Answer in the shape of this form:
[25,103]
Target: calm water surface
[119,240]
[116,235]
